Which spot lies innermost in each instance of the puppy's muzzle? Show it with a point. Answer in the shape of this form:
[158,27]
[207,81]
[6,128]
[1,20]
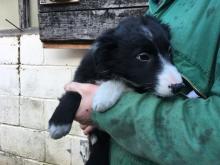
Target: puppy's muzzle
[175,88]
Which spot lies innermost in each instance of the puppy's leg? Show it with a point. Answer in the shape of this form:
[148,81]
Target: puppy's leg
[108,94]
[61,120]
[99,151]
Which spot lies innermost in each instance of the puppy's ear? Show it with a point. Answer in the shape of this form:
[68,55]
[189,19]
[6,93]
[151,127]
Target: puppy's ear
[103,50]
[167,29]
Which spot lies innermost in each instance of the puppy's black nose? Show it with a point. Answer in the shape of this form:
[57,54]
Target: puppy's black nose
[176,87]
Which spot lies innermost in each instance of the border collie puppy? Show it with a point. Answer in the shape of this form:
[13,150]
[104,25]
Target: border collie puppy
[134,55]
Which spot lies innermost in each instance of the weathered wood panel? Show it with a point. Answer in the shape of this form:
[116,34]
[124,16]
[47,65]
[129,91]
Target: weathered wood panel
[85,20]
[92,4]
[82,25]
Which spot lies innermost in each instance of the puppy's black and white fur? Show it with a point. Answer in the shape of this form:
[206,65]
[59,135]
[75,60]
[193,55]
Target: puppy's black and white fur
[134,55]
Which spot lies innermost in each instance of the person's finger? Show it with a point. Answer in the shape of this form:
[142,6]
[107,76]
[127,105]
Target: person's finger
[81,88]
[82,126]
[72,86]
[88,129]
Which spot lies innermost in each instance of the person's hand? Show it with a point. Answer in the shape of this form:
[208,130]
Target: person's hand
[87,128]
[83,115]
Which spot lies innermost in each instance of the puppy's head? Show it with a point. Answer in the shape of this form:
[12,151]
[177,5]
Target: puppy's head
[138,51]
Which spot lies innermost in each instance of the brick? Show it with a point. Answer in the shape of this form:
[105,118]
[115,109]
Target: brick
[44,82]
[76,130]
[0,137]
[9,84]
[75,151]
[49,107]
[32,113]
[33,162]
[63,56]
[58,151]
[9,110]
[31,50]
[9,159]
[9,50]
[24,142]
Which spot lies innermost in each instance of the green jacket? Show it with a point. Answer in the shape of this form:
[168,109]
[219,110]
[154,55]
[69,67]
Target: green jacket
[147,130]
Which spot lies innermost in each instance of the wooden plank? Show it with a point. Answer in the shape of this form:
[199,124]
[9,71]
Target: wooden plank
[92,4]
[24,13]
[82,25]
[16,32]
[49,2]
[66,45]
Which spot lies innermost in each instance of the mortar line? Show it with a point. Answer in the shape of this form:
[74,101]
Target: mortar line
[19,77]
[39,130]
[6,153]
[45,148]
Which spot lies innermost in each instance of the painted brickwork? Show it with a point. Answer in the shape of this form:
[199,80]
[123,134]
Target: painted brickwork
[31,80]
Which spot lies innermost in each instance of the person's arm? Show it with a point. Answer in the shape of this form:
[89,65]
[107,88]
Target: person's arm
[167,131]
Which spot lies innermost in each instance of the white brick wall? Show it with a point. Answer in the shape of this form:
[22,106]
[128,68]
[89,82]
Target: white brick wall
[23,142]
[49,107]
[30,109]
[31,50]
[44,81]
[63,56]
[9,159]
[9,84]
[9,50]
[58,151]
[76,158]
[9,110]
[31,82]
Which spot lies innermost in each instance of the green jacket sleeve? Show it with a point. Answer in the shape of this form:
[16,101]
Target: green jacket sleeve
[168,131]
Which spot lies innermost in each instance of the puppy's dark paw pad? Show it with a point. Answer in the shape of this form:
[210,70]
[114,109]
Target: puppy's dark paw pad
[58,131]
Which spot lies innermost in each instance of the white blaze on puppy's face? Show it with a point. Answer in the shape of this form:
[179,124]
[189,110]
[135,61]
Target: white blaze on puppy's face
[168,76]
[147,32]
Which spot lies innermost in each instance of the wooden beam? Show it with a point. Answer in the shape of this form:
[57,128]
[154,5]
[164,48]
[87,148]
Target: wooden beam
[24,13]
[66,45]
[82,25]
[93,5]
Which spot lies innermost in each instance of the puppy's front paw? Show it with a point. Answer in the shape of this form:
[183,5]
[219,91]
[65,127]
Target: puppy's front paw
[107,95]
[101,105]
[61,121]
[58,131]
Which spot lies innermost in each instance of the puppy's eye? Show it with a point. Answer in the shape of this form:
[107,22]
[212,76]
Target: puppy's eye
[144,57]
